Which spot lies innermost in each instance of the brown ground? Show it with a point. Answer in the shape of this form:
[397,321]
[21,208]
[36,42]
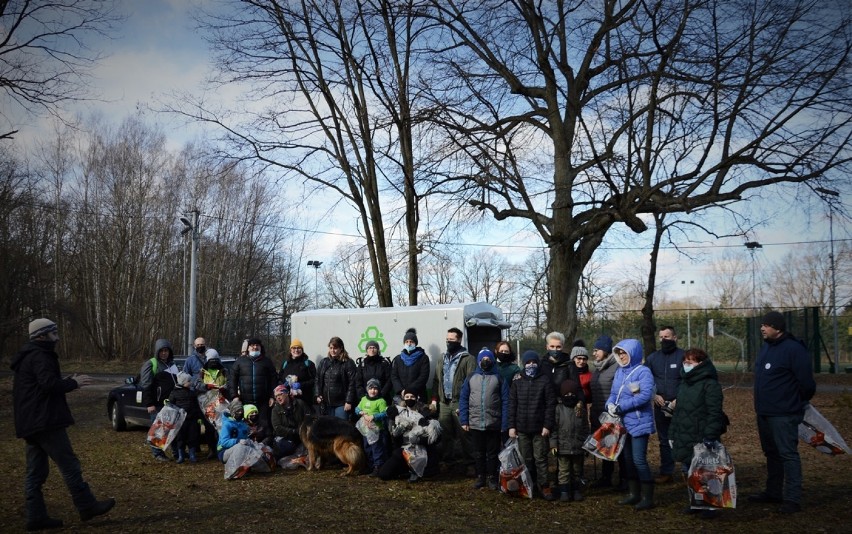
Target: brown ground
[192,498]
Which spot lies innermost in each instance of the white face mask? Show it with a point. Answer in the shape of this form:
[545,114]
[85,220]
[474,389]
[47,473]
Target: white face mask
[254,353]
[687,367]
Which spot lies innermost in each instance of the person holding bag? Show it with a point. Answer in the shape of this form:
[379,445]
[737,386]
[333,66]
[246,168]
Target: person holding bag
[631,398]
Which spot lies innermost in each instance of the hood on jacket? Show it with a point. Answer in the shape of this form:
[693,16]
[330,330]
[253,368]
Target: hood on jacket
[633,347]
[163,344]
[29,348]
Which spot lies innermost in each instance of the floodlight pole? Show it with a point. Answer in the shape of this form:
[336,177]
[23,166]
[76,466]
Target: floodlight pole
[829,196]
[688,314]
[316,265]
[752,246]
[193,278]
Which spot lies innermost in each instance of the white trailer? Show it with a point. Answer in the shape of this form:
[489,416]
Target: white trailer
[481,323]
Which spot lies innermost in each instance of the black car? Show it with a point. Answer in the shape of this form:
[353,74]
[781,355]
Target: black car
[124,403]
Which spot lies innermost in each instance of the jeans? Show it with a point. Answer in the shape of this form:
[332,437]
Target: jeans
[635,454]
[779,439]
[534,448]
[53,445]
[375,452]
[663,423]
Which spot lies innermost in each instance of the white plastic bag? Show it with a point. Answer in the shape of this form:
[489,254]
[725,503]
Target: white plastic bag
[416,457]
[607,441]
[368,430]
[515,479]
[213,405]
[817,432]
[166,426]
[240,458]
[711,481]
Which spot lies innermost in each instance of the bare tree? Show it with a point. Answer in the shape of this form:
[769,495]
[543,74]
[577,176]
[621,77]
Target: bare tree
[348,278]
[45,59]
[730,283]
[611,110]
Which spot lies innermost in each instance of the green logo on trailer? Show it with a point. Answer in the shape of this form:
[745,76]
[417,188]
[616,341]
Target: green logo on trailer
[372,334]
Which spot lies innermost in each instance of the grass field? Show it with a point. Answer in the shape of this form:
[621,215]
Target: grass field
[155,497]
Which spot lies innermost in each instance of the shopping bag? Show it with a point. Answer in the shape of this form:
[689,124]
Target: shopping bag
[817,432]
[298,459]
[368,430]
[213,405]
[166,426]
[607,441]
[240,458]
[711,481]
[515,479]
[416,457]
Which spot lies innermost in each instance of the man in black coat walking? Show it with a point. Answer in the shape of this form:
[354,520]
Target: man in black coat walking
[41,417]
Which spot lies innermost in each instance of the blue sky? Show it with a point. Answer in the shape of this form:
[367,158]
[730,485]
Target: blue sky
[157,52]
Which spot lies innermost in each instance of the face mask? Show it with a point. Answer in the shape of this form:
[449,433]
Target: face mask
[505,358]
[254,354]
[687,367]
[554,354]
[409,348]
[410,402]
[570,400]
[215,364]
[201,350]
[668,346]
[252,419]
[238,416]
[486,364]
[531,370]
[453,346]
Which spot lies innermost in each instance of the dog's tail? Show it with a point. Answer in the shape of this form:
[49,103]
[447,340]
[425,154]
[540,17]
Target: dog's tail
[350,454]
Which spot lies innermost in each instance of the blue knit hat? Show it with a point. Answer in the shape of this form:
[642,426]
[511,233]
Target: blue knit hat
[604,343]
[529,356]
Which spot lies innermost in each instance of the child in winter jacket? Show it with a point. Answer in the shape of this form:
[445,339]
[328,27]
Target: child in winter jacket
[566,443]
[484,412]
[184,397]
[373,411]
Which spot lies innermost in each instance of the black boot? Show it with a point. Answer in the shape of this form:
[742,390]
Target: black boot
[99,508]
[44,524]
[633,496]
[647,501]
[564,493]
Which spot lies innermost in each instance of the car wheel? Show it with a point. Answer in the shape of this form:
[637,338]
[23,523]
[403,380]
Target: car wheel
[117,418]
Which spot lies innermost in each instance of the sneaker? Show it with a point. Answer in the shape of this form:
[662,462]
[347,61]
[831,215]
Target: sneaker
[664,479]
[547,493]
[764,498]
[44,524]
[99,508]
[160,456]
[789,507]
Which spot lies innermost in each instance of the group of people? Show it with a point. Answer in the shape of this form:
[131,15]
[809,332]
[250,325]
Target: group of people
[549,404]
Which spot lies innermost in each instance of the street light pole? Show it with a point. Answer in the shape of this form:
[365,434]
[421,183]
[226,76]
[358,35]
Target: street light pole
[316,265]
[830,196]
[193,277]
[688,314]
[751,246]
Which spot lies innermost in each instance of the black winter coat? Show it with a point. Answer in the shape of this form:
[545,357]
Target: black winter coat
[377,367]
[412,377]
[336,382]
[601,387]
[532,404]
[253,381]
[38,393]
[305,371]
[559,371]
[287,420]
[187,399]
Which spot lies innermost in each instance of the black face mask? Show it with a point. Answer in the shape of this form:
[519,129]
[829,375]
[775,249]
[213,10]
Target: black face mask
[570,400]
[554,354]
[505,358]
[667,346]
[453,346]
[214,364]
[486,365]
[201,350]
[410,402]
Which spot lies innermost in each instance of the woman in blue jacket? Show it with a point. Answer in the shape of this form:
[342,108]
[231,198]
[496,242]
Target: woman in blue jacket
[631,398]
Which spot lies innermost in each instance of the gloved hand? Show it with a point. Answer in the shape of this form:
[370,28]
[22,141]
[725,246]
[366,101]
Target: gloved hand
[212,386]
[612,409]
[244,442]
[392,411]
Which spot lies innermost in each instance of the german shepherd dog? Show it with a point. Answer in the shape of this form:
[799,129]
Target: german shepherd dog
[325,435]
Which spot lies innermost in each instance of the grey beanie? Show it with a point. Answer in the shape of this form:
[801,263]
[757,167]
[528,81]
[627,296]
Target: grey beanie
[41,327]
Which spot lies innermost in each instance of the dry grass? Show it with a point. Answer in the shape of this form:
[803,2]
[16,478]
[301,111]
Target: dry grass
[156,497]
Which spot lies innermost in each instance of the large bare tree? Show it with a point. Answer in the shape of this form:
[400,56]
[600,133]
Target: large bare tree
[580,115]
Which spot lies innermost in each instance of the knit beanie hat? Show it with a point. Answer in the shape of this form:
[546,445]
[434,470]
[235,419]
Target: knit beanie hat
[234,406]
[212,354]
[374,383]
[774,319]
[296,344]
[374,343]
[40,327]
[567,387]
[410,334]
[183,379]
[281,389]
[529,356]
[254,341]
[249,409]
[579,351]
[604,343]
[484,353]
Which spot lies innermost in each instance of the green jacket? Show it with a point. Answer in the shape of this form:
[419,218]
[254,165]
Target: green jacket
[466,365]
[698,412]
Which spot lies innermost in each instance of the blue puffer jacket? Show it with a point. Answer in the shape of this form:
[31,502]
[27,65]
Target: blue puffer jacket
[231,433]
[637,409]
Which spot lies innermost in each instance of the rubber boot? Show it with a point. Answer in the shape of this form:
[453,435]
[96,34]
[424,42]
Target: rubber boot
[180,456]
[633,496]
[192,456]
[647,501]
[564,493]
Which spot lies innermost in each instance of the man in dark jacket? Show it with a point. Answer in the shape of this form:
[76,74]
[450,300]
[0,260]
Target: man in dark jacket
[557,364]
[783,385]
[253,380]
[532,415]
[157,379]
[41,417]
[452,369]
[665,365]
